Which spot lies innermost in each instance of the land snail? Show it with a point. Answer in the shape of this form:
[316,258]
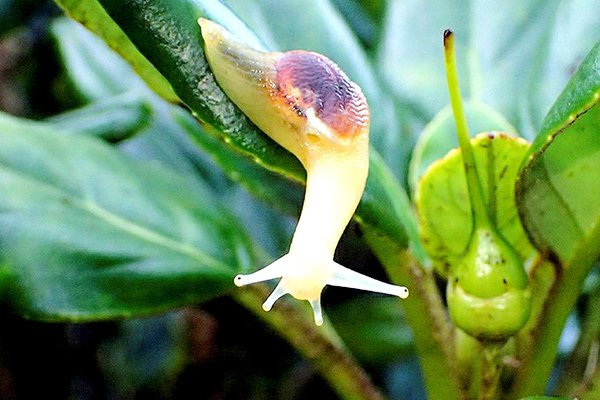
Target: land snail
[304,102]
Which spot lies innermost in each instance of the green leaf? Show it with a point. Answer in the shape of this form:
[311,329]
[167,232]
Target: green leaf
[558,196]
[318,26]
[96,71]
[176,51]
[515,56]
[364,18]
[386,209]
[177,140]
[80,242]
[114,119]
[266,185]
[558,189]
[443,201]
[439,136]
[93,16]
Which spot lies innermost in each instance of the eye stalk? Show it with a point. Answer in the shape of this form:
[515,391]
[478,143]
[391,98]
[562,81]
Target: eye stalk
[308,105]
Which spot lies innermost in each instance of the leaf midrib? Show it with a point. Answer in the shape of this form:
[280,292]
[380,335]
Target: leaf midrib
[121,223]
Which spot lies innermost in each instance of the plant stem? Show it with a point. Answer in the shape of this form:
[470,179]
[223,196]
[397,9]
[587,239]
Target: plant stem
[532,376]
[480,213]
[427,317]
[583,361]
[320,345]
[491,369]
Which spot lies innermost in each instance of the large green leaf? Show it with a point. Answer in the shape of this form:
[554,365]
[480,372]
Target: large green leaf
[558,193]
[113,119]
[172,136]
[167,33]
[176,51]
[86,233]
[93,16]
[266,185]
[559,187]
[319,27]
[96,71]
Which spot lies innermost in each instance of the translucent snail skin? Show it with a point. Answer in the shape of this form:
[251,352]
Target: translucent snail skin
[304,102]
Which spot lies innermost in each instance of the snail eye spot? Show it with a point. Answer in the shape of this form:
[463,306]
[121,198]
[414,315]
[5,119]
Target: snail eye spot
[308,80]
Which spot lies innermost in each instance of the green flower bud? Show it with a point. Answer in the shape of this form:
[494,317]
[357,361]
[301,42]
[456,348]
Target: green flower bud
[488,293]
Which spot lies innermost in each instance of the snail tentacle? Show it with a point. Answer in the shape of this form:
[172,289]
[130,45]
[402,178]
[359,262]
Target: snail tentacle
[317,311]
[276,269]
[275,295]
[345,277]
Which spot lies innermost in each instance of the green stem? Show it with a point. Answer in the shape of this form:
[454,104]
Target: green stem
[320,345]
[480,213]
[427,317]
[491,370]
[533,374]
[581,364]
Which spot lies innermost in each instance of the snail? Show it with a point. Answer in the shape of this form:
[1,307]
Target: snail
[308,105]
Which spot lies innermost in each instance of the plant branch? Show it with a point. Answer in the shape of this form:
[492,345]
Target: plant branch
[532,376]
[320,345]
[427,317]
[582,365]
[491,370]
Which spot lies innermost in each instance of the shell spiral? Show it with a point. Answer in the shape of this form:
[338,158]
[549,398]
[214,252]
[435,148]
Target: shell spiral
[306,80]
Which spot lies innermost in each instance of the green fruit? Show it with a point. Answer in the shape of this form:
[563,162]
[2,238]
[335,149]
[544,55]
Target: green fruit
[488,293]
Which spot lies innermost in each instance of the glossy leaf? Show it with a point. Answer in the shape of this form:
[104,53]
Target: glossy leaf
[318,26]
[176,139]
[81,242]
[96,71]
[443,201]
[93,16]
[558,196]
[176,51]
[264,184]
[558,191]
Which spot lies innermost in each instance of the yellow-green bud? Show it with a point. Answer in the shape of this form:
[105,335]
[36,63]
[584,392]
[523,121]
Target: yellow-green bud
[488,293]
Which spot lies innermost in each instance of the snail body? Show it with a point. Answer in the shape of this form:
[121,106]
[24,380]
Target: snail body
[308,105]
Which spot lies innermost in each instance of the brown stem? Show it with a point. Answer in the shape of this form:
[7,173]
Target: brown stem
[491,371]
[320,345]
[427,317]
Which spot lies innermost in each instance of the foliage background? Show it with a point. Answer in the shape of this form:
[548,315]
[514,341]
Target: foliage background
[516,59]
